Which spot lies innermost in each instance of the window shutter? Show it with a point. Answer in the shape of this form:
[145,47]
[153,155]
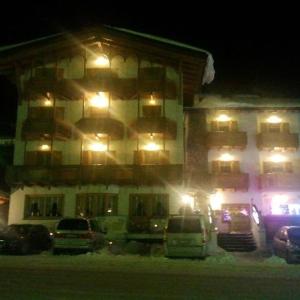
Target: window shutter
[86,157]
[233,126]
[263,127]
[235,166]
[285,127]
[214,125]
[215,167]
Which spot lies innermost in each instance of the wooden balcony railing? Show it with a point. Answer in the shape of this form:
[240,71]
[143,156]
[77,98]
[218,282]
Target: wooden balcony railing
[154,125]
[270,140]
[226,139]
[35,129]
[107,125]
[279,181]
[98,174]
[236,181]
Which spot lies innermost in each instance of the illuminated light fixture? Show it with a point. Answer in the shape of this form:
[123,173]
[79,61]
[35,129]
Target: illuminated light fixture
[152,101]
[155,225]
[187,200]
[216,201]
[274,119]
[102,61]
[98,147]
[152,147]
[223,118]
[45,147]
[226,157]
[151,136]
[109,210]
[277,158]
[48,102]
[100,100]
[101,135]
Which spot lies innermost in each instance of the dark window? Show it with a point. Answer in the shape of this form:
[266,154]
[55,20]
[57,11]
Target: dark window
[184,225]
[73,224]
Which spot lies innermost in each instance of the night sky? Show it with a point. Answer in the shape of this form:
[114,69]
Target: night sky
[249,58]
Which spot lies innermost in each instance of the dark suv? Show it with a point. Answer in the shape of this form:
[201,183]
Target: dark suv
[25,238]
[286,243]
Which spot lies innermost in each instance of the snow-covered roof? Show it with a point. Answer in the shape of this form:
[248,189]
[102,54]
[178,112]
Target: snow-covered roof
[245,101]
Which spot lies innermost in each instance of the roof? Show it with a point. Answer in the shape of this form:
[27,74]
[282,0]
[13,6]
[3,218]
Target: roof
[197,65]
[245,101]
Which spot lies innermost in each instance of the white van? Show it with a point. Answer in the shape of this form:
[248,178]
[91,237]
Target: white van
[186,236]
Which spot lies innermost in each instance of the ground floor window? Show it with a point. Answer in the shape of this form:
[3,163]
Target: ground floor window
[149,205]
[43,206]
[96,204]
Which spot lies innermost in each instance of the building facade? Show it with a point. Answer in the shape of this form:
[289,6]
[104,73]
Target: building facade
[245,154]
[100,129]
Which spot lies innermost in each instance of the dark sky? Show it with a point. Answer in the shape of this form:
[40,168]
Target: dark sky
[252,55]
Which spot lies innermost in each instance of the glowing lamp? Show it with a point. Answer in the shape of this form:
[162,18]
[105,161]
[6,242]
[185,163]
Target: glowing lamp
[187,200]
[45,147]
[100,100]
[223,118]
[277,158]
[152,101]
[99,147]
[48,102]
[152,147]
[226,157]
[274,119]
[102,61]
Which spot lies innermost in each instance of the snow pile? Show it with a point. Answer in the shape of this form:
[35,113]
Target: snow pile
[223,258]
[274,260]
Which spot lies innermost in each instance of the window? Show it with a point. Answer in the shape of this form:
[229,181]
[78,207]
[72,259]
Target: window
[96,204]
[219,166]
[224,126]
[274,127]
[149,205]
[277,167]
[98,157]
[45,113]
[43,206]
[144,157]
[43,158]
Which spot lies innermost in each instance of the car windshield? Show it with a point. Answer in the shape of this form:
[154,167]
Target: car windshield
[184,225]
[73,224]
[294,234]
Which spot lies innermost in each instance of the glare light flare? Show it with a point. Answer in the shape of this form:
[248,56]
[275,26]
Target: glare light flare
[98,147]
[274,119]
[226,157]
[277,202]
[48,102]
[216,201]
[188,200]
[100,100]
[278,158]
[152,100]
[223,118]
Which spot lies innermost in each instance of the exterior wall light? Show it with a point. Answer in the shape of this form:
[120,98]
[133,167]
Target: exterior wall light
[226,157]
[100,100]
[223,118]
[274,119]
[277,158]
[102,61]
[216,201]
[152,147]
[48,102]
[45,147]
[152,100]
[99,147]
[188,200]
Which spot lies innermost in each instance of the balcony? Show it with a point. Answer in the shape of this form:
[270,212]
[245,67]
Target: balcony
[270,140]
[97,174]
[154,125]
[236,181]
[279,181]
[226,139]
[35,129]
[106,125]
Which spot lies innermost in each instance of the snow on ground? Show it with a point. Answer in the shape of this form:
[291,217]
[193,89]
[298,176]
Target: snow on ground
[223,264]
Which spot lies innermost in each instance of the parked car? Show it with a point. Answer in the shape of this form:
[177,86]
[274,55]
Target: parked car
[286,243]
[186,236]
[77,234]
[25,238]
